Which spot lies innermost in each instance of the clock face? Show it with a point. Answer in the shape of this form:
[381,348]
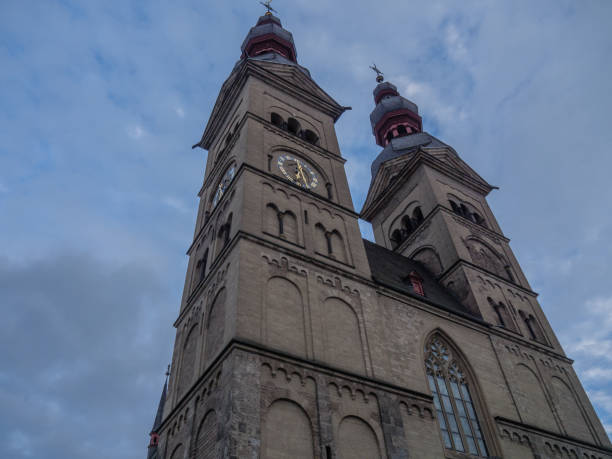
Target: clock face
[223,184]
[297,171]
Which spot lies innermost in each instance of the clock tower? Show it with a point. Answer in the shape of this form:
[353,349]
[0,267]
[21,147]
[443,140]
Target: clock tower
[298,339]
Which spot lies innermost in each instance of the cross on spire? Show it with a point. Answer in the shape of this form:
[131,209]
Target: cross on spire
[379,75]
[268,7]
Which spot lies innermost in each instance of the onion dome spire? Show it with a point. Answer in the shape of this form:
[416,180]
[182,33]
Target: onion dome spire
[269,36]
[394,116]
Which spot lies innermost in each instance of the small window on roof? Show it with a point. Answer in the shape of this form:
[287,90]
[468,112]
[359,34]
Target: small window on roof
[417,283]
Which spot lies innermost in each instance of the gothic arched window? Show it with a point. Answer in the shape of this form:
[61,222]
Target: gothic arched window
[456,411]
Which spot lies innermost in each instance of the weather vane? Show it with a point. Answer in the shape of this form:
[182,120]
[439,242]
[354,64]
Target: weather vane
[168,372]
[379,75]
[268,7]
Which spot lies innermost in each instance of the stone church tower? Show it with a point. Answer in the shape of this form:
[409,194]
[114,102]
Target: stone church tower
[298,339]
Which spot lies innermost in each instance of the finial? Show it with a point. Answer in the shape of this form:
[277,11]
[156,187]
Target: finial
[379,75]
[168,372]
[268,7]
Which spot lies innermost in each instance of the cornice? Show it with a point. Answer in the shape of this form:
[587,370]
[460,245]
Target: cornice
[418,157]
[548,433]
[462,262]
[235,82]
[323,368]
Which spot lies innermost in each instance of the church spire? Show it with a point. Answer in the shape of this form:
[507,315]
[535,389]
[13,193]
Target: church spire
[152,453]
[394,115]
[268,36]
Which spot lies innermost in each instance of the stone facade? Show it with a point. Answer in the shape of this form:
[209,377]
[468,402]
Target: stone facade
[293,342]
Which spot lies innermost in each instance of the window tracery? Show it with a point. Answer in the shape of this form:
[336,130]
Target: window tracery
[455,408]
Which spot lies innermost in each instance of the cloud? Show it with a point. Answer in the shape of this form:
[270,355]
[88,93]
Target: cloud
[79,335]
[598,374]
[176,204]
[135,132]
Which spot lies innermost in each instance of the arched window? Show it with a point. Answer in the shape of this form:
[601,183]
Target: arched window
[456,411]
[417,215]
[336,244]
[276,120]
[535,332]
[228,228]
[201,267]
[401,130]
[223,235]
[463,210]
[310,137]
[328,187]
[407,224]
[477,218]
[293,126]
[396,238]
[454,206]
[389,136]
[503,317]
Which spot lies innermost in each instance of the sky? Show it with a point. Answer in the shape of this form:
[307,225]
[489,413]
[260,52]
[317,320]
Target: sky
[100,102]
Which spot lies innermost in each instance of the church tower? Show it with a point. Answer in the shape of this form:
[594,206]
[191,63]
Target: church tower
[298,339]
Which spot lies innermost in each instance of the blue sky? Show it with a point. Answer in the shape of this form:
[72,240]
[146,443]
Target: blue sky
[100,102]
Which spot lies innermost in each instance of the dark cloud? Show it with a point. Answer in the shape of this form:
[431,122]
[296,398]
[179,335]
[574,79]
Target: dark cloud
[82,343]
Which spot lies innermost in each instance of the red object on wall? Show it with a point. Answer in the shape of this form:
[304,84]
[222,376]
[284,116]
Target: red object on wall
[417,283]
[154,439]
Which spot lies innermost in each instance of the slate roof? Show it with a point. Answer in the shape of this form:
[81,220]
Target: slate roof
[390,269]
[382,86]
[400,146]
[270,25]
[160,409]
[276,59]
[390,104]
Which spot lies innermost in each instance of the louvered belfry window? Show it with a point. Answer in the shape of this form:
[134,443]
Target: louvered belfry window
[455,408]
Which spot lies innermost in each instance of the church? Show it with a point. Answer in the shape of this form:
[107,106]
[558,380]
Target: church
[297,338]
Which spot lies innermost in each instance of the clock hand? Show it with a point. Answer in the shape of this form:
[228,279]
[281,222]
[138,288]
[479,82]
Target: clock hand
[301,173]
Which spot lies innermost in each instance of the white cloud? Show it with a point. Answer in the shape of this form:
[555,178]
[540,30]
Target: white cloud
[602,399]
[135,132]
[176,204]
[455,43]
[431,102]
[592,335]
[180,112]
[20,443]
[597,374]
